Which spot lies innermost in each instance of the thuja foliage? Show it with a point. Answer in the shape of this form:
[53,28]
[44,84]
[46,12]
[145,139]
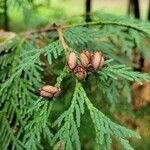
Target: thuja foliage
[84,109]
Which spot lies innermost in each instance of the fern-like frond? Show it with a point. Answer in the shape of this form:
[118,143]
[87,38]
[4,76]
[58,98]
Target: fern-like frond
[68,132]
[105,128]
[7,136]
[37,126]
[116,71]
[81,35]
[108,19]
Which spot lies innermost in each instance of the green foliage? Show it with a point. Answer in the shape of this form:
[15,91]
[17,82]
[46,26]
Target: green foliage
[37,126]
[7,135]
[28,121]
[140,26]
[105,128]
[116,71]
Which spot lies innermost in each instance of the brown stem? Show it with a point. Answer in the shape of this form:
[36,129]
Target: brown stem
[55,28]
[61,38]
[47,29]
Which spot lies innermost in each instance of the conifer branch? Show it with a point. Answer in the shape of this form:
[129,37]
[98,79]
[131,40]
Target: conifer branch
[20,105]
[17,53]
[105,128]
[41,111]
[116,71]
[139,29]
[61,38]
[68,132]
[104,20]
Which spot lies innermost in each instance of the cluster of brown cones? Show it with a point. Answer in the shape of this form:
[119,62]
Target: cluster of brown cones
[88,61]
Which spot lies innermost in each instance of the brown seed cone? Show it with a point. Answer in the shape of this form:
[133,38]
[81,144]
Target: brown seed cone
[85,58]
[101,63]
[80,72]
[87,53]
[49,91]
[58,92]
[72,60]
[45,94]
[97,60]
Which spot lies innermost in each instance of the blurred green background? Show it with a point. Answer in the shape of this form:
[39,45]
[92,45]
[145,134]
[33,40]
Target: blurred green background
[27,14]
